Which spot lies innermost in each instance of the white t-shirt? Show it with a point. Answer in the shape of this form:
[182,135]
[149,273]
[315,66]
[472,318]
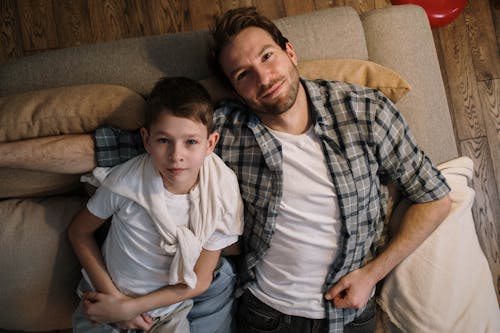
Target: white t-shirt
[304,245]
[134,258]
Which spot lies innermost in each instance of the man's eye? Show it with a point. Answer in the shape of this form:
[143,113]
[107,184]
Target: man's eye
[163,140]
[241,75]
[267,55]
[192,142]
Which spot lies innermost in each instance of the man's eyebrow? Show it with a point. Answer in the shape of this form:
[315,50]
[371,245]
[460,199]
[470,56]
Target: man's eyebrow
[262,50]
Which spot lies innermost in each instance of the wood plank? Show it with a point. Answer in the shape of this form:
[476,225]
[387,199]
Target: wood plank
[297,7]
[73,22]
[168,16]
[487,205]
[37,25]
[106,20]
[490,105]
[137,21]
[202,13]
[226,5]
[482,39]
[10,43]
[462,80]
[271,9]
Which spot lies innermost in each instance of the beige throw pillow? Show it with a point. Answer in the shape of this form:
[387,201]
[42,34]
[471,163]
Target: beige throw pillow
[361,72]
[68,110]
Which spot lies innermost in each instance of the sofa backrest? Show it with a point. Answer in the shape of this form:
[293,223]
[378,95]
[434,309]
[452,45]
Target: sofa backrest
[398,37]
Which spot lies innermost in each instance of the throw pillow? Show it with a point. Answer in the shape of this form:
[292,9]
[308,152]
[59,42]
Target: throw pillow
[361,72]
[446,284]
[68,110]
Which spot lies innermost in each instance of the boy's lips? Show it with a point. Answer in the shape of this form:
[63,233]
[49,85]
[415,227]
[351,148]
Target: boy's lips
[175,171]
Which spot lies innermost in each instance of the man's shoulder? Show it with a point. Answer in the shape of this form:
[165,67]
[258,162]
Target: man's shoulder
[235,117]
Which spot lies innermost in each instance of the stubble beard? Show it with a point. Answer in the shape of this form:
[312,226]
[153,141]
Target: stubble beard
[286,102]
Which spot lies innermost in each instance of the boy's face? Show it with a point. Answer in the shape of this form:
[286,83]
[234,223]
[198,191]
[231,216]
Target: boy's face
[262,73]
[178,147]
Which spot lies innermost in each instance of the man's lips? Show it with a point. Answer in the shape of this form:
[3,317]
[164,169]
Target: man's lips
[273,90]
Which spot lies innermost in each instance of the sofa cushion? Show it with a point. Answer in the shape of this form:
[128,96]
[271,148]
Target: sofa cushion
[65,110]
[39,270]
[361,72]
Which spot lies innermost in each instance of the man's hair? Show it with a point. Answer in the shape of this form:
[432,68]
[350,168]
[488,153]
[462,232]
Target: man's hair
[231,24]
[180,97]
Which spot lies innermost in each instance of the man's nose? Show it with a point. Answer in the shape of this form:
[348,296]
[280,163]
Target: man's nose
[263,76]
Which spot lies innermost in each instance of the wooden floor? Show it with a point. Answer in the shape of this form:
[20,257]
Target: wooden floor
[468,51]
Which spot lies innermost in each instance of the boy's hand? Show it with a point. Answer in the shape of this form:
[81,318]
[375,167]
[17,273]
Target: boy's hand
[104,308]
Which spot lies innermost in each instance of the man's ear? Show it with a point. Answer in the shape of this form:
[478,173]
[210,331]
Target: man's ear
[145,138]
[291,53]
[212,140]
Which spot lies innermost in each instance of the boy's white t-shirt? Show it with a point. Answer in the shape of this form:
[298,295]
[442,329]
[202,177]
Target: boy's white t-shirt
[134,258]
[291,275]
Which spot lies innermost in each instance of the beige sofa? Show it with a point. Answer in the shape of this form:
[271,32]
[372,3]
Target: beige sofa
[105,83]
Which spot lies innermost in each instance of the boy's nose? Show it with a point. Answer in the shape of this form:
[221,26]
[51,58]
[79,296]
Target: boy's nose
[176,153]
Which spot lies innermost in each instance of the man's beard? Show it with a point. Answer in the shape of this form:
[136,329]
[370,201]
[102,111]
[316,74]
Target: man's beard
[284,103]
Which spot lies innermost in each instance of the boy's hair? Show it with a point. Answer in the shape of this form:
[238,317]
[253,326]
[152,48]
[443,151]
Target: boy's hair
[181,97]
[231,24]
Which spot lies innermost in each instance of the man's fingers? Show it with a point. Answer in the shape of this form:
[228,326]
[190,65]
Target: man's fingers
[338,290]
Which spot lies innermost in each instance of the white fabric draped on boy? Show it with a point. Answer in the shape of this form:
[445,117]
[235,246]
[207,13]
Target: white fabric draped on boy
[139,181]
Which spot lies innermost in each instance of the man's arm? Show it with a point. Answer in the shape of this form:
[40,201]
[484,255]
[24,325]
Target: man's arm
[419,221]
[108,308]
[61,154]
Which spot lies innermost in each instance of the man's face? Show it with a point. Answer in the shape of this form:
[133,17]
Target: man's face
[262,73]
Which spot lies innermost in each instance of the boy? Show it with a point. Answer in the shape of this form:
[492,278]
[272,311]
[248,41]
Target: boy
[173,210]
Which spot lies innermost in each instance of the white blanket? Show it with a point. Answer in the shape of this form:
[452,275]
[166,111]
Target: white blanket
[446,284]
[138,180]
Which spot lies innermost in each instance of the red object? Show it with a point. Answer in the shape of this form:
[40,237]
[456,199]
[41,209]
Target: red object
[439,12]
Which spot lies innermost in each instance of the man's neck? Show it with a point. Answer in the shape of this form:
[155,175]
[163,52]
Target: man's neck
[294,121]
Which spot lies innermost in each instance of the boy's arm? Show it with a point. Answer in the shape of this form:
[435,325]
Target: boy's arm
[108,308]
[81,235]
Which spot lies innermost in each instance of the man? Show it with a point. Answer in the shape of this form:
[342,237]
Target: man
[311,159]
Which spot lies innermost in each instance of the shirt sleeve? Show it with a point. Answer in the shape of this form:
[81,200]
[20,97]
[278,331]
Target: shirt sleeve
[402,160]
[104,203]
[114,146]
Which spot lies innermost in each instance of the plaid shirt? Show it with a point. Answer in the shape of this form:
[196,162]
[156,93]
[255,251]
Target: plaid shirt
[365,140]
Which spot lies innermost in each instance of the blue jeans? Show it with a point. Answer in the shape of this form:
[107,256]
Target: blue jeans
[256,317]
[213,311]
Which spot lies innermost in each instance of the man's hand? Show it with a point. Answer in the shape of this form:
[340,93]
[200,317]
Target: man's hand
[352,291]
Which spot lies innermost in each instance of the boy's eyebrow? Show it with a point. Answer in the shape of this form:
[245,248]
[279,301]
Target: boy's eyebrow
[262,50]
[161,132]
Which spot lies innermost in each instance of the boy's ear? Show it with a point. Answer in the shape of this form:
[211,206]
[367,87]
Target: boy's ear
[145,138]
[213,138]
